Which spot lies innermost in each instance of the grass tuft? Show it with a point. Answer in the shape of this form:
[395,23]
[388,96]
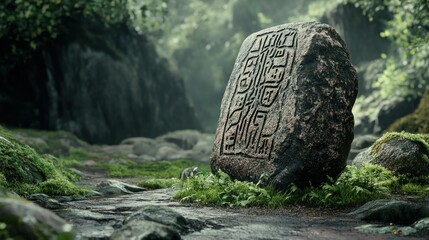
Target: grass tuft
[355,186]
[157,169]
[160,183]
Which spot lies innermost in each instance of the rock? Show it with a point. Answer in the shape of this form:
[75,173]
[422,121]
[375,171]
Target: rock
[363,157]
[363,141]
[45,201]
[382,229]
[189,172]
[380,112]
[391,211]
[351,23]
[145,230]
[286,111]
[402,156]
[185,139]
[25,220]
[114,187]
[417,229]
[144,146]
[422,227]
[162,215]
[416,122]
[21,164]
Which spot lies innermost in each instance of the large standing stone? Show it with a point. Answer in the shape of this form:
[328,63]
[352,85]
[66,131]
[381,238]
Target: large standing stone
[286,111]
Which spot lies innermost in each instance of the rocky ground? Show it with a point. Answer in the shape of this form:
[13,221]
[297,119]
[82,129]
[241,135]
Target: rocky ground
[118,209]
[100,217]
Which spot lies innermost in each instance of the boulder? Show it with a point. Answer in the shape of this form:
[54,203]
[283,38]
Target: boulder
[401,154]
[145,230]
[286,111]
[391,211]
[25,220]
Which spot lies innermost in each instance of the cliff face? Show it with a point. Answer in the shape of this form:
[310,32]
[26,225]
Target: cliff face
[101,84]
[361,35]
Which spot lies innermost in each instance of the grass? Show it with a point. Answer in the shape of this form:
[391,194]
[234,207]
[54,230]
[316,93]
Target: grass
[158,183]
[354,187]
[222,190]
[156,169]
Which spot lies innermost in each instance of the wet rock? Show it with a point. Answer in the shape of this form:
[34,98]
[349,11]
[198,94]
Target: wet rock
[286,111]
[189,172]
[162,215]
[114,187]
[145,230]
[363,141]
[403,156]
[142,145]
[25,220]
[363,157]
[391,211]
[45,201]
[417,229]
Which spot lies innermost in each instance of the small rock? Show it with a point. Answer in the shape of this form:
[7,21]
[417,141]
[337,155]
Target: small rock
[391,211]
[189,172]
[363,157]
[114,187]
[162,215]
[45,201]
[26,220]
[145,230]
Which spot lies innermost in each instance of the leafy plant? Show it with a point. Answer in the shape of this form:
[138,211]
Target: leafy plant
[222,190]
[355,186]
[406,72]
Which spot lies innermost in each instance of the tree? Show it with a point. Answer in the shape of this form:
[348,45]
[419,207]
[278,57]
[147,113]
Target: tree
[26,26]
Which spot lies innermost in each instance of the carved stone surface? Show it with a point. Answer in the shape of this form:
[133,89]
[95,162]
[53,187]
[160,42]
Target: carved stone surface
[286,111]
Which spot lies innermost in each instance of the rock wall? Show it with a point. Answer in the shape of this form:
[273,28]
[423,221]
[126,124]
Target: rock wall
[101,84]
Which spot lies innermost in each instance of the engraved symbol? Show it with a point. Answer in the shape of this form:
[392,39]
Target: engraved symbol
[251,125]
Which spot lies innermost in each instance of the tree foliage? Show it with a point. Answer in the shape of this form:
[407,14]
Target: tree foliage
[26,26]
[406,72]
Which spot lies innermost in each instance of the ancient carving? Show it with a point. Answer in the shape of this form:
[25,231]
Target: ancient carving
[250,125]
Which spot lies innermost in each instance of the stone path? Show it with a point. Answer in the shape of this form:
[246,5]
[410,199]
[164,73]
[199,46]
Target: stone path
[98,218]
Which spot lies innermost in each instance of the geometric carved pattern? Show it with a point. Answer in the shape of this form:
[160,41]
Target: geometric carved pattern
[253,114]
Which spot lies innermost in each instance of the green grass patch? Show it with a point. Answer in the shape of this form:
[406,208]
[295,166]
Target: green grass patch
[156,169]
[222,190]
[354,187]
[160,183]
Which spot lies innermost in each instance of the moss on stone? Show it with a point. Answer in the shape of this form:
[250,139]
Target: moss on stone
[51,142]
[416,122]
[26,172]
[422,139]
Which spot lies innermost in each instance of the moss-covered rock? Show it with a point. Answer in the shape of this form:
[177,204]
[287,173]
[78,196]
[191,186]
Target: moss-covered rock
[402,153]
[416,122]
[23,170]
